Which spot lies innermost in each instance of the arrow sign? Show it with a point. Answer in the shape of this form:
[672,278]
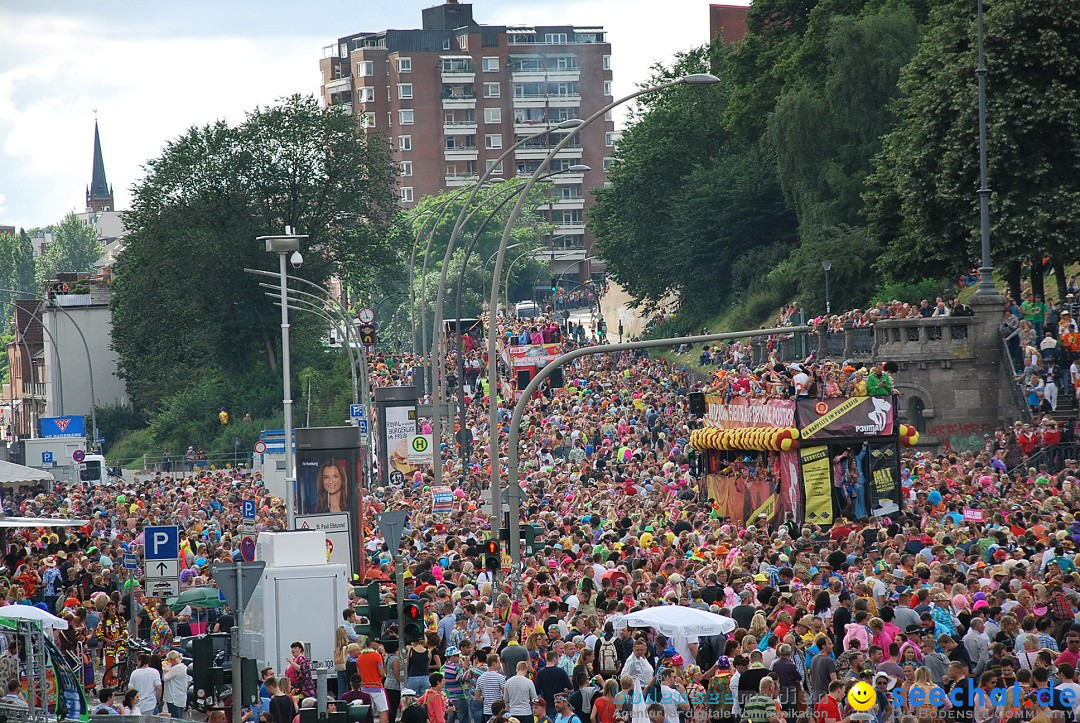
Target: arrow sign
[392,526]
[162,569]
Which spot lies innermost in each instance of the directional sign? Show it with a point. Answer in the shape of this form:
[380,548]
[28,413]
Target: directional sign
[131,562]
[363,426]
[161,569]
[78,455]
[46,458]
[392,526]
[247,509]
[225,574]
[163,588]
[162,543]
[247,549]
[358,411]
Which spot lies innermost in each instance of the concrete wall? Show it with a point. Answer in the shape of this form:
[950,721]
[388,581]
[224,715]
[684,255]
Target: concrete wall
[74,375]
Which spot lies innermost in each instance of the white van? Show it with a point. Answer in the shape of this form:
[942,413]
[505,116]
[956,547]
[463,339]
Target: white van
[526,310]
[94,470]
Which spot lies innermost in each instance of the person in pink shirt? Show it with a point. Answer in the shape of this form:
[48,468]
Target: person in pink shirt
[434,699]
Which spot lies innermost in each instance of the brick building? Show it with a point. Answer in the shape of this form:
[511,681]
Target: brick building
[452,95]
[727,21]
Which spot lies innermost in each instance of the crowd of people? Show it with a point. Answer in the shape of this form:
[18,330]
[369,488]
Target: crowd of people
[928,598]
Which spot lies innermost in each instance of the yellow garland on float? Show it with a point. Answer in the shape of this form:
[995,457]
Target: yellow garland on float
[758,439]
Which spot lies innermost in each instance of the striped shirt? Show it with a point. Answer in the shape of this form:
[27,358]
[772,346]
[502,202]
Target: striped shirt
[759,709]
[451,675]
[490,685]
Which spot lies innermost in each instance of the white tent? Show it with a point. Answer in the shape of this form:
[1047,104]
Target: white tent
[12,474]
[29,612]
[684,625]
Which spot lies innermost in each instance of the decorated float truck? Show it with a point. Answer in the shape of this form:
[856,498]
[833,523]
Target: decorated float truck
[804,460]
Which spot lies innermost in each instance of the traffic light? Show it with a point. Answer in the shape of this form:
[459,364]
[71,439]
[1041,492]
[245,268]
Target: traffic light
[493,560]
[368,334]
[371,607]
[414,622]
[554,284]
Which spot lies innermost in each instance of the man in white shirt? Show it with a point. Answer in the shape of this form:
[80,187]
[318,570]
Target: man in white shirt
[147,681]
[637,666]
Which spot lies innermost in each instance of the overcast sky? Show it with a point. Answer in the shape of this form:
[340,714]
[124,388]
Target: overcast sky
[151,70]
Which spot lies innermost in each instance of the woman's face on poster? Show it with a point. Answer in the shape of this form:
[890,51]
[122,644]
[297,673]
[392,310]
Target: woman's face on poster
[331,480]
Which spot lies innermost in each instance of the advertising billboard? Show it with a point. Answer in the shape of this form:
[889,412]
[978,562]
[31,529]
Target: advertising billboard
[330,489]
[848,418]
[395,408]
[62,427]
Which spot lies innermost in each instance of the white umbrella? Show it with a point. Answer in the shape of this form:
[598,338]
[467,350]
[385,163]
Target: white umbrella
[17,474]
[682,624]
[29,612]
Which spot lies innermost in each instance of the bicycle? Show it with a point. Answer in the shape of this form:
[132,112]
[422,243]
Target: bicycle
[127,662]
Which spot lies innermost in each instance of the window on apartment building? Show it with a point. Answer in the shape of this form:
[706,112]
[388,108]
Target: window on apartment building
[493,167]
[405,117]
[555,38]
[365,94]
[406,168]
[365,67]
[404,143]
[463,42]
[607,87]
[404,65]
[608,162]
[388,96]
[446,44]
[490,65]
[568,218]
[607,62]
[491,90]
[367,120]
[406,194]
[609,139]
[404,91]
[493,115]
[493,141]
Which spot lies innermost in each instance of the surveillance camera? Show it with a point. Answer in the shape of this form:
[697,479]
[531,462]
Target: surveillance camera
[296,260]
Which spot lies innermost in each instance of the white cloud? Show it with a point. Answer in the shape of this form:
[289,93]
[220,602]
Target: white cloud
[3,207]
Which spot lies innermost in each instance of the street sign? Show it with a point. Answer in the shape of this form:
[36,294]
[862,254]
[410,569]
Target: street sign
[161,569]
[260,447]
[247,549]
[247,509]
[368,335]
[392,526]
[362,424]
[78,455]
[162,543]
[358,411]
[420,449]
[46,458]
[163,588]
[131,562]
[225,574]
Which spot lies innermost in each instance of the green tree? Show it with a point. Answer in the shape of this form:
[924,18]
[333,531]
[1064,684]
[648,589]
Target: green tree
[186,317]
[921,202]
[16,272]
[75,247]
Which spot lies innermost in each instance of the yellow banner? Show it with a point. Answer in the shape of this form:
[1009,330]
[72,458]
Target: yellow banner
[817,484]
[768,508]
[812,428]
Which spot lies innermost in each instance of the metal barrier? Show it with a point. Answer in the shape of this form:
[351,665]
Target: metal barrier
[1053,457]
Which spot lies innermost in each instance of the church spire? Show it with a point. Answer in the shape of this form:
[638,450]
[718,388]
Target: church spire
[99,196]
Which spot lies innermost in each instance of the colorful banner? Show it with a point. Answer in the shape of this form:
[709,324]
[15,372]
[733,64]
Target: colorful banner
[817,484]
[789,502]
[534,355]
[845,418]
[442,500]
[62,427]
[767,509]
[739,412]
[884,471]
[741,499]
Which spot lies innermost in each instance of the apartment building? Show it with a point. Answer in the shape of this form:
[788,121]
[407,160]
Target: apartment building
[453,95]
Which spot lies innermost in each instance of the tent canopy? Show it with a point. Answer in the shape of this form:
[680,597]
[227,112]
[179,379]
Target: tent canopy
[35,614]
[683,625]
[12,474]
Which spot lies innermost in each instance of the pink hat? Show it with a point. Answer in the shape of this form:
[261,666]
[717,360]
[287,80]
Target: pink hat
[979,604]
[960,601]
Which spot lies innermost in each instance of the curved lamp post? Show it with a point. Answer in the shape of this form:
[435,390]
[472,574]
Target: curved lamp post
[493,401]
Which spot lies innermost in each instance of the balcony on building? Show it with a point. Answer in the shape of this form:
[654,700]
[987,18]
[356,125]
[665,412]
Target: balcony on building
[457,69]
[339,85]
[460,122]
[460,179]
[460,148]
[458,97]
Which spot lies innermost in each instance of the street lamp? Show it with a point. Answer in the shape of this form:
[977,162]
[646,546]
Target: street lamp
[986,270]
[827,265]
[493,402]
[287,245]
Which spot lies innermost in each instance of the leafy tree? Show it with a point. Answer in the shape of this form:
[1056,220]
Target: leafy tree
[922,202]
[75,247]
[16,272]
[186,317]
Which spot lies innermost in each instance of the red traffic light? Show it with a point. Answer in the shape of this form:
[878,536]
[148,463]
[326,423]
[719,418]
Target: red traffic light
[412,612]
[492,547]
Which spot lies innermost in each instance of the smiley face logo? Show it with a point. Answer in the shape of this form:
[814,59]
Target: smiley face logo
[862,696]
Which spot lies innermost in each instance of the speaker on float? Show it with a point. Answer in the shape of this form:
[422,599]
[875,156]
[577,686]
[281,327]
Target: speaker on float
[697,403]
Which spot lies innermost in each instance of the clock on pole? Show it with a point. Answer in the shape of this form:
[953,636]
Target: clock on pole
[366,315]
